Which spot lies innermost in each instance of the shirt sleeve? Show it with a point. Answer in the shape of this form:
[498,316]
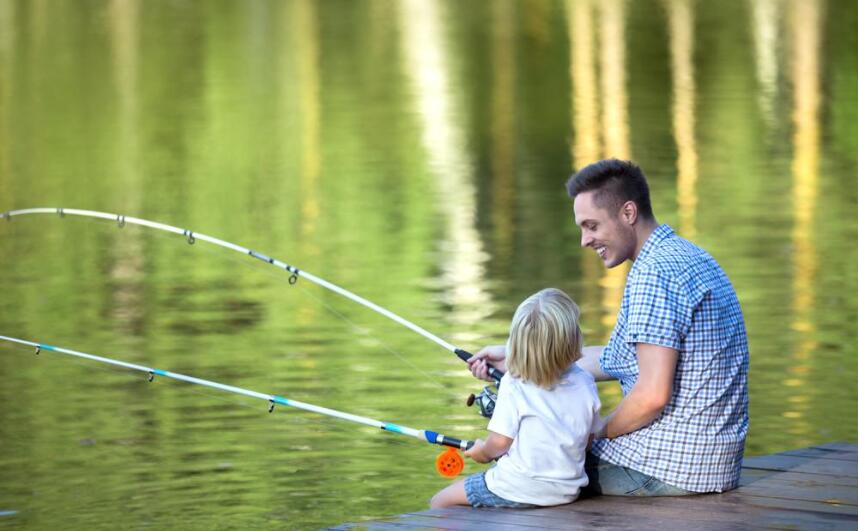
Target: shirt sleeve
[505,419]
[659,313]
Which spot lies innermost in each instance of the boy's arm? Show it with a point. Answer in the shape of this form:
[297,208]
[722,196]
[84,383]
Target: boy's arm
[493,447]
[590,362]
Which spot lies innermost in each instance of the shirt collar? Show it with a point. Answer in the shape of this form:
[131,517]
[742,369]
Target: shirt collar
[661,233]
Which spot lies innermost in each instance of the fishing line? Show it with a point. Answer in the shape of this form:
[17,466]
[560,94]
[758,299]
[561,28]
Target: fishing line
[192,237]
[355,326]
[304,420]
[433,379]
[449,463]
[294,272]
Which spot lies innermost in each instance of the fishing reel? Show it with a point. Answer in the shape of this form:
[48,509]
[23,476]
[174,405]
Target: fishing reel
[485,400]
[449,463]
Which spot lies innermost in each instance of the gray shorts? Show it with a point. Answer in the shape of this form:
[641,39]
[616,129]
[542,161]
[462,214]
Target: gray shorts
[615,480]
[479,495]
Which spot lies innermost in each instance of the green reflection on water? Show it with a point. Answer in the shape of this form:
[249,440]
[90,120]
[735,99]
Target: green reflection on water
[414,152]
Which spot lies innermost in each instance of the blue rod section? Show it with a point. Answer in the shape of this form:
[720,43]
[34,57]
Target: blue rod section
[425,435]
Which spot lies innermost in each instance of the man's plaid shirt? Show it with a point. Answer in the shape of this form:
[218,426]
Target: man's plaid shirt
[677,296]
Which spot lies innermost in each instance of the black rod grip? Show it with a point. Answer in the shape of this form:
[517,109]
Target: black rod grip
[464,355]
[457,443]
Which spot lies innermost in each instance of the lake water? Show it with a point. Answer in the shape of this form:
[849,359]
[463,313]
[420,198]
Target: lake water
[413,152]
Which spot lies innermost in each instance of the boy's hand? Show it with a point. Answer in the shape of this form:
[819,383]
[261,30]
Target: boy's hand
[492,448]
[495,355]
[477,453]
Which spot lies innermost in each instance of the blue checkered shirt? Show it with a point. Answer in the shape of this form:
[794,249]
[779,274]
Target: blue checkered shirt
[677,296]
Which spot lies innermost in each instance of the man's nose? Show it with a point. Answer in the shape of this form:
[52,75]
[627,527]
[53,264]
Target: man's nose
[585,240]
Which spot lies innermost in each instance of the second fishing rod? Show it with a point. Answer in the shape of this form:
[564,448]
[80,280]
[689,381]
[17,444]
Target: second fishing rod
[449,463]
[485,399]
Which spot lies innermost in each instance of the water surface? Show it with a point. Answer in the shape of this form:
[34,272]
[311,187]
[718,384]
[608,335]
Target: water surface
[415,153]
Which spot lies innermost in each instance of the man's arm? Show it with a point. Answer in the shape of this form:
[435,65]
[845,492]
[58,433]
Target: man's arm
[650,393]
[590,362]
[496,355]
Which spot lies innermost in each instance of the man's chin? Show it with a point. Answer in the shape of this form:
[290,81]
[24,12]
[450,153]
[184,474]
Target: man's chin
[610,264]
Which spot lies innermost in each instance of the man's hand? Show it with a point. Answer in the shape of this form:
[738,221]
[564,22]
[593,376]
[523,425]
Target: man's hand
[494,355]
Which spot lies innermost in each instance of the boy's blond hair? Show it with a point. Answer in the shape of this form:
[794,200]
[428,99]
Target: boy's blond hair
[544,338]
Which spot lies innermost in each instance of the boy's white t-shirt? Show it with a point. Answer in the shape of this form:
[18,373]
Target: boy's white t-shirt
[545,464]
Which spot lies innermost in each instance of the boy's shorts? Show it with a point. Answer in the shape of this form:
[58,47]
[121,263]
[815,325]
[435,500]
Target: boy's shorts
[479,495]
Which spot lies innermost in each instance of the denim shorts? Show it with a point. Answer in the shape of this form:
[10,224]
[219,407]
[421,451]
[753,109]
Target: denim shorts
[479,495]
[615,480]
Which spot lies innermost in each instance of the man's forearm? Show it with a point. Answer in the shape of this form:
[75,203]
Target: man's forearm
[590,363]
[650,393]
[632,414]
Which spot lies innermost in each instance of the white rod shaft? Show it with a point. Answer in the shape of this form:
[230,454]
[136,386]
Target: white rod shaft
[419,434]
[243,250]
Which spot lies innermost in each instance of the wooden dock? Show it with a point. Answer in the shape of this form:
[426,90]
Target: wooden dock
[811,488]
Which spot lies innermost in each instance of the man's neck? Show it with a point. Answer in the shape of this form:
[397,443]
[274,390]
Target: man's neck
[643,230]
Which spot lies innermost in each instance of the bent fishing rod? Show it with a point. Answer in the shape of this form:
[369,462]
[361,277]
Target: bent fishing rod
[449,463]
[295,273]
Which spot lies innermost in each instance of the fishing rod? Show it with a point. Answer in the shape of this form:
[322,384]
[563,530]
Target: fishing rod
[449,463]
[295,273]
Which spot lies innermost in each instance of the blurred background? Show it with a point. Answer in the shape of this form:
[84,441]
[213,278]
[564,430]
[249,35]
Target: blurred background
[414,152]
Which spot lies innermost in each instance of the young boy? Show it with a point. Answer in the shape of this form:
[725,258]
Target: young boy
[546,409]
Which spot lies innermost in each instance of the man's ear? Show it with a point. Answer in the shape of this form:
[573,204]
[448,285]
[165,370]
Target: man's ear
[629,212]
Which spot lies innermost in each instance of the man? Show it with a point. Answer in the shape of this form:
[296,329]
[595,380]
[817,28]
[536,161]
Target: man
[679,349]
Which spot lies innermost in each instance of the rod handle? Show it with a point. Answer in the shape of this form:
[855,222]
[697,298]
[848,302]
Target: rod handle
[464,355]
[457,443]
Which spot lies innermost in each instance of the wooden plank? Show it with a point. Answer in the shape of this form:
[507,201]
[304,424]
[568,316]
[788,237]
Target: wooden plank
[603,512]
[815,510]
[730,507]
[724,509]
[422,521]
[807,465]
[750,475]
[838,446]
[673,511]
[832,467]
[814,487]
[753,475]
[703,512]
[816,479]
[823,453]
[520,517]
[832,494]
[567,517]
[378,524]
